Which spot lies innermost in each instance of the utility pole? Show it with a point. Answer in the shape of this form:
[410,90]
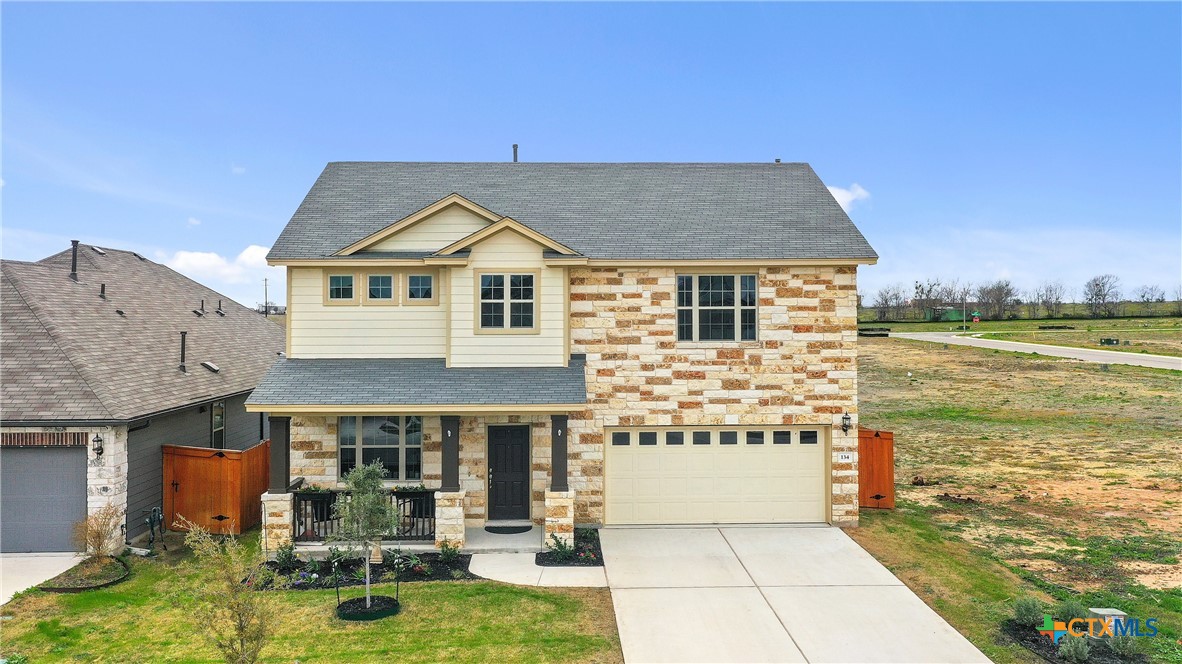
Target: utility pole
[266,300]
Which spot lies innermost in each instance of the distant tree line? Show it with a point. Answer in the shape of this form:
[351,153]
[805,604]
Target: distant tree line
[1101,297]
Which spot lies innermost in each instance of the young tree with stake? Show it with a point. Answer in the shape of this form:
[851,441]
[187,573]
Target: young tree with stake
[367,514]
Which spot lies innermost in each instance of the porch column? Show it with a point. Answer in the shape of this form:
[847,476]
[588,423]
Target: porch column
[280,454]
[558,453]
[451,453]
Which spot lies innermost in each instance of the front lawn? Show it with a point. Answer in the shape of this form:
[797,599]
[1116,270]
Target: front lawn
[148,618]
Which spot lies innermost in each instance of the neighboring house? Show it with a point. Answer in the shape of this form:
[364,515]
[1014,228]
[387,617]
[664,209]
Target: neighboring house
[643,343]
[90,355]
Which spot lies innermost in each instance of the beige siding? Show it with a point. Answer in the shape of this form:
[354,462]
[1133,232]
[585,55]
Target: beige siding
[433,233]
[508,251]
[316,330]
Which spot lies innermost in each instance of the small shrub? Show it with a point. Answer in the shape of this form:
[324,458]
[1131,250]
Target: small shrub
[312,566]
[17,659]
[1123,645]
[422,570]
[1070,609]
[390,557]
[98,533]
[286,558]
[336,555]
[1074,648]
[448,553]
[388,577]
[562,550]
[1028,612]
[458,574]
[359,574]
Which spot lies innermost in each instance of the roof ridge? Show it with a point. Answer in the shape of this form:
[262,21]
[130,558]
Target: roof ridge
[66,349]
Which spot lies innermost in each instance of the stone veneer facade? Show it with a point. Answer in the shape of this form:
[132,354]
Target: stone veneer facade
[801,371]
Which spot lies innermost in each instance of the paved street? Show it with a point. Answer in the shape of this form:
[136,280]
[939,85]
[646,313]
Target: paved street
[1085,354]
[766,594]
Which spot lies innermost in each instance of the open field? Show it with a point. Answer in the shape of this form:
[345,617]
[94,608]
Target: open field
[1074,474]
[1156,341]
[1068,310]
[1080,325]
[147,619]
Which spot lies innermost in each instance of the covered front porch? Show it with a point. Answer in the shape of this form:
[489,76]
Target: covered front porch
[455,468]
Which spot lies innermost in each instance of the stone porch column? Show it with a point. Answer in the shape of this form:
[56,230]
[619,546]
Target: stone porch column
[560,516]
[278,511]
[449,515]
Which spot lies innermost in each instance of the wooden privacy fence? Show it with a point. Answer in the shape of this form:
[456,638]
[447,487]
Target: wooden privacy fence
[218,490]
[876,468]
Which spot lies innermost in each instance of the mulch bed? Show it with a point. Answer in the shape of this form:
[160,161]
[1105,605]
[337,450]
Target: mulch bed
[380,606]
[1029,638]
[90,574]
[586,552]
[351,572]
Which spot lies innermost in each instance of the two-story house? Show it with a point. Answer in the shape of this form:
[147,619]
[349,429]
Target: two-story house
[560,344]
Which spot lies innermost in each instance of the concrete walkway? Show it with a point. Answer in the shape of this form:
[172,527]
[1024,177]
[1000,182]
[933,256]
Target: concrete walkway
[1085,354]
[21,571]
[766,594]
[519,569]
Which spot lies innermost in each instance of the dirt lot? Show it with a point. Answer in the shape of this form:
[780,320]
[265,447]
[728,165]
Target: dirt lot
[1054,453]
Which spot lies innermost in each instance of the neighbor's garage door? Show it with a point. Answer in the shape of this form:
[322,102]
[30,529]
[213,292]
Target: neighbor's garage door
[43,496]
[714,475]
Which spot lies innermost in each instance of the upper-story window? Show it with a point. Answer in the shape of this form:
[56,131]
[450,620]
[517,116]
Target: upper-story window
[420,289]
[507,302]
[716,307]
[339,289]
[217,425]
[381,287]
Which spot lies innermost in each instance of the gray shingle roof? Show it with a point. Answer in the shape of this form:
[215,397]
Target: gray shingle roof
[66,355]
[411,382]
[609,211]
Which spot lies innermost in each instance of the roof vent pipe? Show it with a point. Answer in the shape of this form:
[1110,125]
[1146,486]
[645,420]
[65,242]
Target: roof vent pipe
[74,260]
[514,153]
[103,291]
[777,160]
[183,335]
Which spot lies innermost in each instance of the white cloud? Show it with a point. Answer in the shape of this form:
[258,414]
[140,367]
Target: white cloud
[193,221]
[240,277]
[847,197]
[235,169]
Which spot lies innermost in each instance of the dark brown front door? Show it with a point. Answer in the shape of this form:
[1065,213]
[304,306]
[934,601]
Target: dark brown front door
[508,473]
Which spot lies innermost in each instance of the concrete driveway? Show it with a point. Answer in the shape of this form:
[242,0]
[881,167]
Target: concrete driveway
[766,594]
[1085,354]
[21,571]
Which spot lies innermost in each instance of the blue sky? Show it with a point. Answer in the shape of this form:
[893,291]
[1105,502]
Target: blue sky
[975,141]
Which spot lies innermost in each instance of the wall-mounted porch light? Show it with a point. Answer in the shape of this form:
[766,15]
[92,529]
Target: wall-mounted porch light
[96,445]
[845,423]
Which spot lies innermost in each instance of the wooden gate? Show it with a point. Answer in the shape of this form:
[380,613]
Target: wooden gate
[218,490]
[876,469]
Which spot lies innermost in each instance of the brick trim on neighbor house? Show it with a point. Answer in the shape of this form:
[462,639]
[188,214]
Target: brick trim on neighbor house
[44,439]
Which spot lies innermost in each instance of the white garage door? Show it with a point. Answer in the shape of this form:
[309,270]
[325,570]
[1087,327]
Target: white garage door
[714,475]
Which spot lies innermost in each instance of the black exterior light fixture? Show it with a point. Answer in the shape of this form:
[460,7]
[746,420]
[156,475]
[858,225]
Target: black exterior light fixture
[96,445]
[845,423]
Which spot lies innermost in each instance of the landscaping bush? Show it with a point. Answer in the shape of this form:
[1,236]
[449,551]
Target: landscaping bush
[1074,648]
[560,548]
[285,557]
[448,552]
[1123,646]
[98,533]
[1028,612]
[237,620]
[1070,609]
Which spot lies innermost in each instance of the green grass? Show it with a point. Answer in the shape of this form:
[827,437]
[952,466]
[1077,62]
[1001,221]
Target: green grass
[148,618]
[1080,324]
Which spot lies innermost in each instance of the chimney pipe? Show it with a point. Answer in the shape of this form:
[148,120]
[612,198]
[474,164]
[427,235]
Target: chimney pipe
[183,335]
[777,160]
[74,260]
[103,291]
[514,153]
[202,306]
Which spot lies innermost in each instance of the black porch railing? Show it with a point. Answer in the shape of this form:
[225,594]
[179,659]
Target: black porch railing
[313,519]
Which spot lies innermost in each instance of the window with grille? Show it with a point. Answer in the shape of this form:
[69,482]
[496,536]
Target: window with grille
[716,307]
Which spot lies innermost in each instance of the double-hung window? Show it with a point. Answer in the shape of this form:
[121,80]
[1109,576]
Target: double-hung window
[396,441]
[507,302]
[716,307]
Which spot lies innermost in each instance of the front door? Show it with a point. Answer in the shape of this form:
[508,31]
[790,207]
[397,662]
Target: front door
[508,473]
